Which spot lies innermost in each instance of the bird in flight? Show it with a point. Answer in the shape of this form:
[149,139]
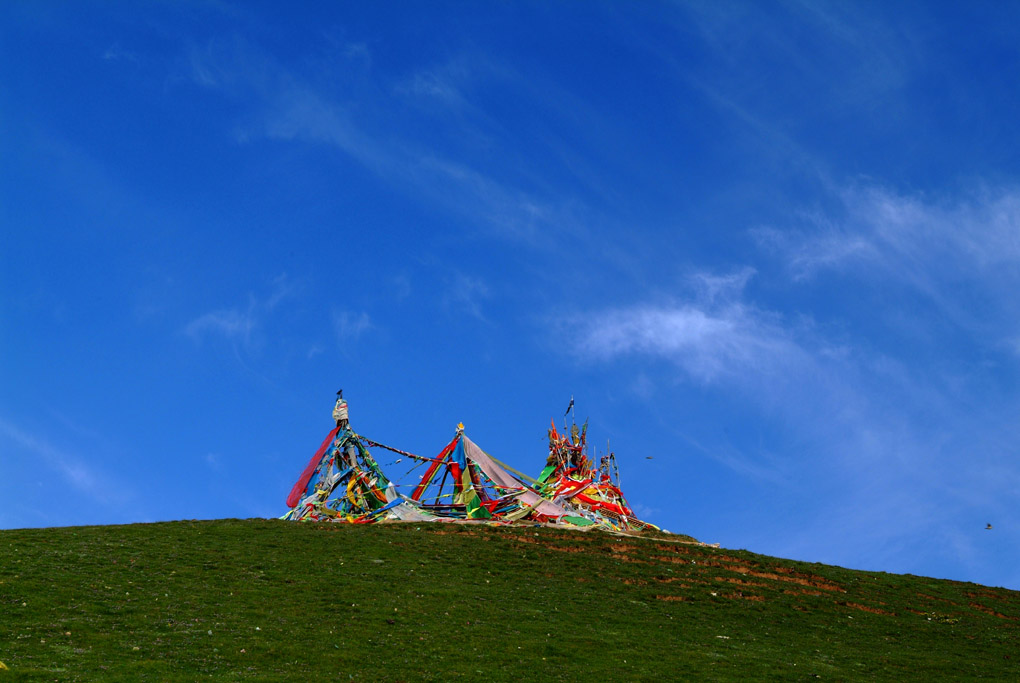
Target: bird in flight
[988,527]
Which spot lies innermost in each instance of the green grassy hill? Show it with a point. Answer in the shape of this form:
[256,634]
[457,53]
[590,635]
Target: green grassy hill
[268,600]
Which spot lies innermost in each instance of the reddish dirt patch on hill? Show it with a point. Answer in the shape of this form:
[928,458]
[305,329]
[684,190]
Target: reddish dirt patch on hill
[988,610]
[866,608]
[932,597]
[671,560]
[801,579]
[734,560]
[811,593]
[551,545]
[743,596]
[675,579]
[673,548]
[742,582]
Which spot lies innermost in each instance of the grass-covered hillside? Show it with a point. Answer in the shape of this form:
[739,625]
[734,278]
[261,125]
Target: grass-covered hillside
[268,600]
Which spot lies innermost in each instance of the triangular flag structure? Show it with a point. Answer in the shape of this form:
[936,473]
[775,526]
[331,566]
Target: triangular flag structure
[571,478]
[344,483]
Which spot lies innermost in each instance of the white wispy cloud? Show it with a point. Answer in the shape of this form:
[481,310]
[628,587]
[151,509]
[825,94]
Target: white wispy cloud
[720,336]
[71,468]
[439,84]
[249,331]
[848,52]
[285,106]
[961,252]
[230,323]
[718,340]
[465,295]
[237,324]
[117,53]
[282,289]
[909,237]
[842,59]
[712,287]
[358,51]
[349,326]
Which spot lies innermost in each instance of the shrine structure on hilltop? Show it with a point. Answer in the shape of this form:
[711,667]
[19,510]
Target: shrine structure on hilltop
[343,482]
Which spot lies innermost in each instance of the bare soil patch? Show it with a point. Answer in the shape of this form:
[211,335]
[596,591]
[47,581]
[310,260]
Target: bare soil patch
[866,608]
[988,610]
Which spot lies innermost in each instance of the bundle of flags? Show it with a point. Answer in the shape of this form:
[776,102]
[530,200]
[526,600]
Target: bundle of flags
[343,482]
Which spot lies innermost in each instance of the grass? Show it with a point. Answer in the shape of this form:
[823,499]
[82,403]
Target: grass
[269,600]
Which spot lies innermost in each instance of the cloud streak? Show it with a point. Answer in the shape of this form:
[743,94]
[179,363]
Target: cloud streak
[350,326]
[465,295]
[229,323]
[286,107]
[71,469]
[920,242]
[953,262]
[717,338]
[239,325]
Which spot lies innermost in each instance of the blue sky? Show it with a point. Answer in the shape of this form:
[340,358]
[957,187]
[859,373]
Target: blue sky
[775,247]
